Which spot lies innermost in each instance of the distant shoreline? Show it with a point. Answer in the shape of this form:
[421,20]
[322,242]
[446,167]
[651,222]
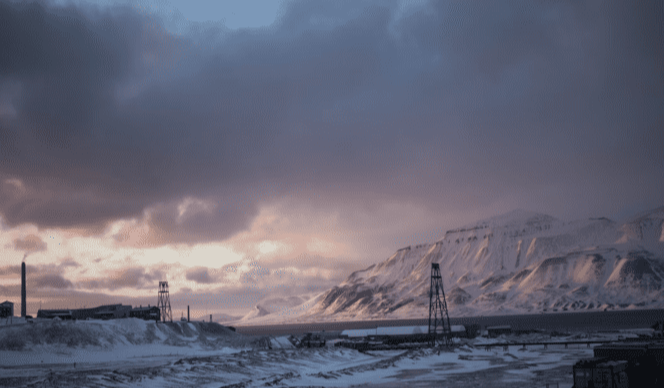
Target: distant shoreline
[555,321]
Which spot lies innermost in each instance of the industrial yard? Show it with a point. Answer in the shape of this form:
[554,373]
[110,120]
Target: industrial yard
[171,361]
[133,352]
[328,367]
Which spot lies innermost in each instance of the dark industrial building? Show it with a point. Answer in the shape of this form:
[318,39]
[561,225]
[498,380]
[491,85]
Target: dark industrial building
[7,309]
[62,314]
[637,364]
[146,313]
[498,330]
[116,311]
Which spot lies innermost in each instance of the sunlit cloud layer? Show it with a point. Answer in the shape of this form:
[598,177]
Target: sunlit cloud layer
[262,165]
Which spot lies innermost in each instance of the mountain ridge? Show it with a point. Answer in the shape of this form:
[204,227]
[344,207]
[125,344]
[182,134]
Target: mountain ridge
[518,262]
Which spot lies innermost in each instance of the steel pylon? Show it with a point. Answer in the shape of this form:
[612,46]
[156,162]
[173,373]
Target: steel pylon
[439,320]
[164,302]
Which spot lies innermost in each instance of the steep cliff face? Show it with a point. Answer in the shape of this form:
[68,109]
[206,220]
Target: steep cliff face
[517,262]
[645,229]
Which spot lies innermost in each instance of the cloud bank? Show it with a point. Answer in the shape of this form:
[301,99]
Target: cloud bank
[343,130]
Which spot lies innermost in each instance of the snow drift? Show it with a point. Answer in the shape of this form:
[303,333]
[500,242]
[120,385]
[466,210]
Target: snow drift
[112,334]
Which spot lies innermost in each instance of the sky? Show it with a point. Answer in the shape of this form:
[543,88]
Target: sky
[258,152]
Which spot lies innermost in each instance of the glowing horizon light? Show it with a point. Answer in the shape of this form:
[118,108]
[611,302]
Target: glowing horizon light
[268,246]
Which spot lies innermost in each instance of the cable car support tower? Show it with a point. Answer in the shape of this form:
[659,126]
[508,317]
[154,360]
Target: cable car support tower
[164,302]
[439,321]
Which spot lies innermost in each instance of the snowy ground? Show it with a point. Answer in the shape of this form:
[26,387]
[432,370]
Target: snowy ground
[326,367]
[139,354]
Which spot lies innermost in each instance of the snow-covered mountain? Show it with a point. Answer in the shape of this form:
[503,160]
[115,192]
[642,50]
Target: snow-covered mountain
[257,312]
[514,263]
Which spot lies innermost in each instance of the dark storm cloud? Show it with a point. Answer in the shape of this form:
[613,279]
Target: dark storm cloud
[135,277]
[105,115]
[69,262]
[51,281]
[15,271]
[30,243]
[204,275]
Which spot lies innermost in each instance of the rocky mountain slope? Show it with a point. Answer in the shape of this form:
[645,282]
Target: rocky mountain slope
[514,263]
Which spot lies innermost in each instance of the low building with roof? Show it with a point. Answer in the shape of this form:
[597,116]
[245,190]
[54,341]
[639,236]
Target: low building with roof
[115,311]
[146,313]
[7,309]
[62,314]
[498,330]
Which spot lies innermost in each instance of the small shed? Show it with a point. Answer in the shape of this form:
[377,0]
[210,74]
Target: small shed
[7,309]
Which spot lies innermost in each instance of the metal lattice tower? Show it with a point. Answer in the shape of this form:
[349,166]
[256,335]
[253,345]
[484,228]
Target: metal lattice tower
[164,302]
[439,320]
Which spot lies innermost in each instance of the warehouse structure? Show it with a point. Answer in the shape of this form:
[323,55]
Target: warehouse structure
[115,311]
[495,331]
[146,313]
[62,314]
[637,364]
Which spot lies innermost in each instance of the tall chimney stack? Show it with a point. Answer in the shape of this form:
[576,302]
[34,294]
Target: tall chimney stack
[23,289]
[187,313]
